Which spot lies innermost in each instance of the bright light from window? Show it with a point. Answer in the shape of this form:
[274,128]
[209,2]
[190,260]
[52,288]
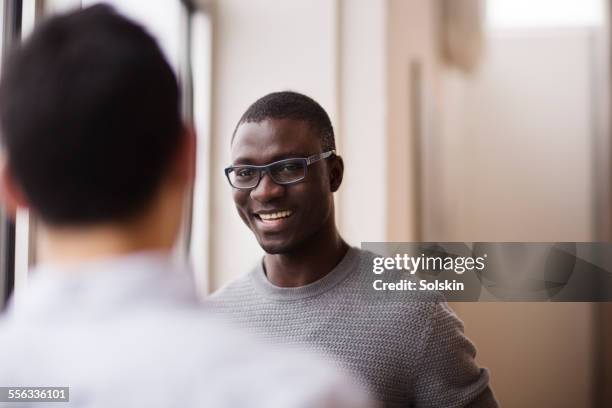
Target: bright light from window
[161,17]
[544,13]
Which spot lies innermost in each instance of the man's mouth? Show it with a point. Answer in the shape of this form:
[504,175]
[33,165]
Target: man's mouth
[273,216]
[272,222]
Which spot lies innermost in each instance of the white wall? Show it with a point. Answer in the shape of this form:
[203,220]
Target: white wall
[363,130]
[518,141]
[60,6]
[521,134]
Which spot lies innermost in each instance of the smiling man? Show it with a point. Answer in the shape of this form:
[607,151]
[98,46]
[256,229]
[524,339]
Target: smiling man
[312,288]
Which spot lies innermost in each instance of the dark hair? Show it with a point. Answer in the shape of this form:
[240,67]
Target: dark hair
[90,117]
[291,105]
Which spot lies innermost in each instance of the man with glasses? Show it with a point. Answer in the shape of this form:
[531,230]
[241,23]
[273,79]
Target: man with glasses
[312,288]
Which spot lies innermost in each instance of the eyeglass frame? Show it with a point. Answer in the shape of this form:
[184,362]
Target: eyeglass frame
[266,169]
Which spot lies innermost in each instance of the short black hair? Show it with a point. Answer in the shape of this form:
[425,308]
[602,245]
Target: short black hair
[90,117]
[291,105]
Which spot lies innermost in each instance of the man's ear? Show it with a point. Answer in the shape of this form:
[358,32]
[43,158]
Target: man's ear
[11,193]
[336,172]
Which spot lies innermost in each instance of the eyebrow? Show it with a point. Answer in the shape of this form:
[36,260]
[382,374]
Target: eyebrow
[287,155]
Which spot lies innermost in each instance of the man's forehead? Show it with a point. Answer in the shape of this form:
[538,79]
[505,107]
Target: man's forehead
[272,138]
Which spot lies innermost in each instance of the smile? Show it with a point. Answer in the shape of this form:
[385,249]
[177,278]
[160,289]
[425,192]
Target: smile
[278,215]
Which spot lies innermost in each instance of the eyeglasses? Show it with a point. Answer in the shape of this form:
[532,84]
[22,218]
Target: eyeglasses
[284,172]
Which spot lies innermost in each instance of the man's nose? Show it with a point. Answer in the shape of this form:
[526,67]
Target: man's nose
[267,189]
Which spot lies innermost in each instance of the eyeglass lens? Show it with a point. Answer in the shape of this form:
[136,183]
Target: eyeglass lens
[287,171]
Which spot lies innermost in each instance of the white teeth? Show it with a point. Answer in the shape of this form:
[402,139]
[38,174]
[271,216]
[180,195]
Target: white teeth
[275,216]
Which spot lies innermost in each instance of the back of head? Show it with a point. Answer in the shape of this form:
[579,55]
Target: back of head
[90,117]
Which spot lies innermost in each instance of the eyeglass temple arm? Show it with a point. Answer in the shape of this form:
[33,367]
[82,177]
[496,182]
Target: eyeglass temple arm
[321,156]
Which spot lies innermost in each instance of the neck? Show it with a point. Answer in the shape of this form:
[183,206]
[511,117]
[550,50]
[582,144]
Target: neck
[67,245]
[308,263]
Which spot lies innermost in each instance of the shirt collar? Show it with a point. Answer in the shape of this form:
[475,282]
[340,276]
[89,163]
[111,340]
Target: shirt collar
[109,285]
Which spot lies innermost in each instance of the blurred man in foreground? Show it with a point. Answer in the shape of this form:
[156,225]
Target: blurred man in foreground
[312,289]
[95,148]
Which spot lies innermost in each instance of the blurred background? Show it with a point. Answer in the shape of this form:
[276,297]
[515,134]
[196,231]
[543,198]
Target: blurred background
[458,120]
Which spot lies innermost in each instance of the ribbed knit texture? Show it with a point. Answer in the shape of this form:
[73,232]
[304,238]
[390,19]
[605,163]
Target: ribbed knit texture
[410,351]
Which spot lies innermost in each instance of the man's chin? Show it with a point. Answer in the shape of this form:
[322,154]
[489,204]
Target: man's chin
[274,248]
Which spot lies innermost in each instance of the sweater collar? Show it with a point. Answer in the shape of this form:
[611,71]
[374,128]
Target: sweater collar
[340,272]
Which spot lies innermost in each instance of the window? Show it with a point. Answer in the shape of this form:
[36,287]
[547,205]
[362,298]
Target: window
[544,13]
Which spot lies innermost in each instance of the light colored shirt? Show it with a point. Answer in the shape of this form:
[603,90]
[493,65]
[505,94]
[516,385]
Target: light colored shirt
[129,332]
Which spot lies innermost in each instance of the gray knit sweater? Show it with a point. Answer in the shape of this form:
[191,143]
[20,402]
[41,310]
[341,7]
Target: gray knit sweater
[411,352]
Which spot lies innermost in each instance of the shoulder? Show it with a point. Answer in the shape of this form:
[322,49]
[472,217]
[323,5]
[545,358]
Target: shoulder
[406,313]
[208,357]
[234,289]
[422,301]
